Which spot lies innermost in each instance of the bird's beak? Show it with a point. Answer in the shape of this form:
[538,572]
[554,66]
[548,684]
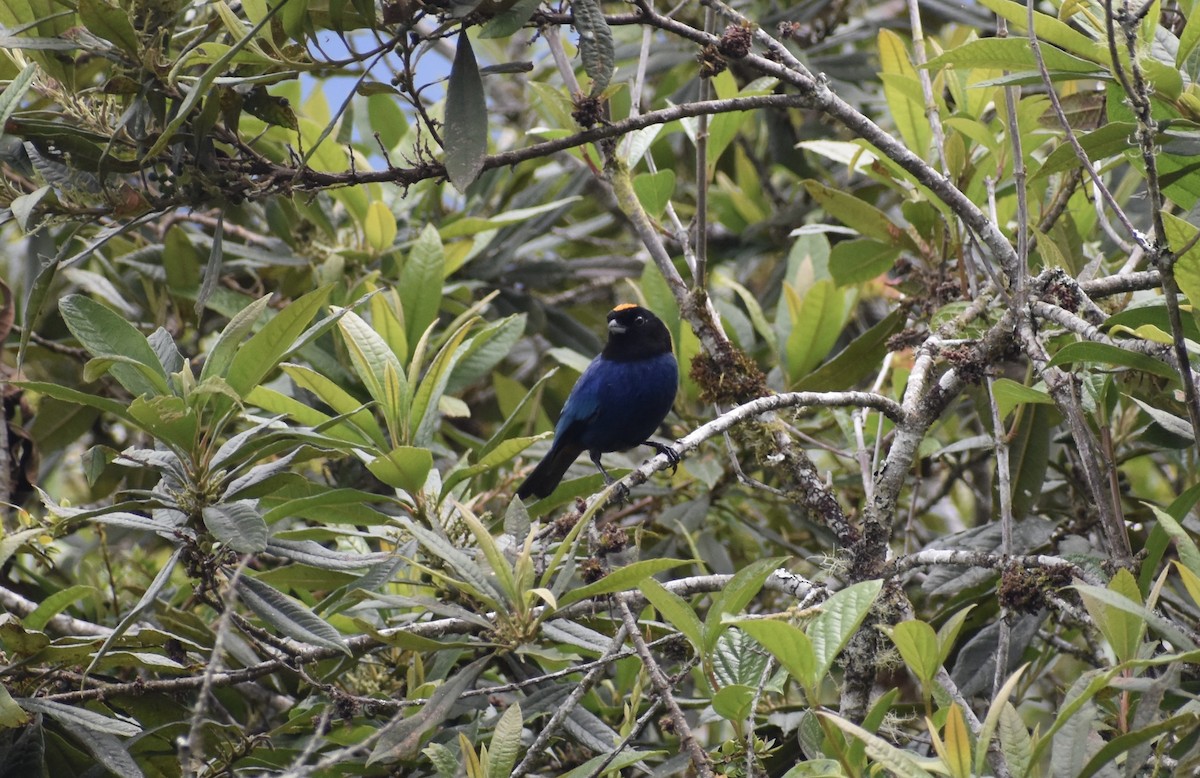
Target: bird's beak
[616,328]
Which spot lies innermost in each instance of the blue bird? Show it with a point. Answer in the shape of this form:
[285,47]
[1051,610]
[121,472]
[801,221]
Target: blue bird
[618,402]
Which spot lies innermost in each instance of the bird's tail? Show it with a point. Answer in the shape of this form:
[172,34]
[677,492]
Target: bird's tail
[549,472]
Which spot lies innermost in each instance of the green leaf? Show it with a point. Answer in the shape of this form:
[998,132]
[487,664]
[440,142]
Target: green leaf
[813,324]
[791,647]
[858,214]
[421,284]
[628,577]
[674,609]
[233,338]
[238,525]
[54,604]
[740,590]
[858,261]
[733,702]
[335,397]
[856,360]
[484,350]
[1012,54]
[1122,616]
[654,190]
[263,352]
[379,226]
[1015,741]
[902,89]
[918,646]
[505,745]
[895,760]
[110,23]
[840,617]
[1009,395]
[403,735]
[104,333]
[595,44]
[426,414]
[1115,356]
[10,98]
[288,615]
[1107,755]
[404,467]
[465,131]
[509,20]
[167,418]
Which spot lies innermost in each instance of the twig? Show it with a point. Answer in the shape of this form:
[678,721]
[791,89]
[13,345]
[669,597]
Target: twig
[699,757]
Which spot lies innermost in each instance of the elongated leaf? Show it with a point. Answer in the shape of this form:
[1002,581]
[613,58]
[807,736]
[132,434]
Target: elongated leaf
[10,98]
[918,646]
[72,717]
[903,92]
[595,43]
[840,617]
[233,338]
[675,610]
[421,284]
[895,760]
[288,615]
[856,360]
[627,577]
[426,411]
[506,743]
[263,352]
[105,333]
[791,647]
[1114,356]
[404,735]
[742,588]
[238,525]
[465,131]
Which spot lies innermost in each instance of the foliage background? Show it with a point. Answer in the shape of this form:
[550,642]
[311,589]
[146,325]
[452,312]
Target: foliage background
[294,292]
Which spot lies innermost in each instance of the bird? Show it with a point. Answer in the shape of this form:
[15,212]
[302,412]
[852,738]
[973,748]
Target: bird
[617,403]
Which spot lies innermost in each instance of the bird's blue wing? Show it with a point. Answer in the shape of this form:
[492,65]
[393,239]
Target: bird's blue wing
[583,403]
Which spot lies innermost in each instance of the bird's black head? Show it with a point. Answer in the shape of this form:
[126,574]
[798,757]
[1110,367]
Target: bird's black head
[635,333]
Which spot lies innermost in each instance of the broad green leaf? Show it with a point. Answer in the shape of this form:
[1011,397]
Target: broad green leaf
[733,702]
[654,190]
[505,745]
[105,333]
[12,715]
[379,226]
[403,467]
[902,90]
[813,323]
[1012,54]
[465,131]
[1009,394]
[425,414]
[674,609]
[840,617]
[857,360]
[918,646]
[233,338]
[288,615]
[791,647]
[262,353]
[10,98]
[239,525]
[484,350]
[510,19]
[54,605]
[76,397]
[420,284]
[628,577]
[957,743]
[1104,354]
[736,594]
[1124,616]
[1015,741]
[858,261]
[403,735]
[1189,553]
[858,214]
[110,23]
[167,418]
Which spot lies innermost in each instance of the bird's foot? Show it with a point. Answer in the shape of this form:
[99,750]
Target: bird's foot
[673,458]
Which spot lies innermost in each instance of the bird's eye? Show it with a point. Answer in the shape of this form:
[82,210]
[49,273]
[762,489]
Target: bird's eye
[639,319]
